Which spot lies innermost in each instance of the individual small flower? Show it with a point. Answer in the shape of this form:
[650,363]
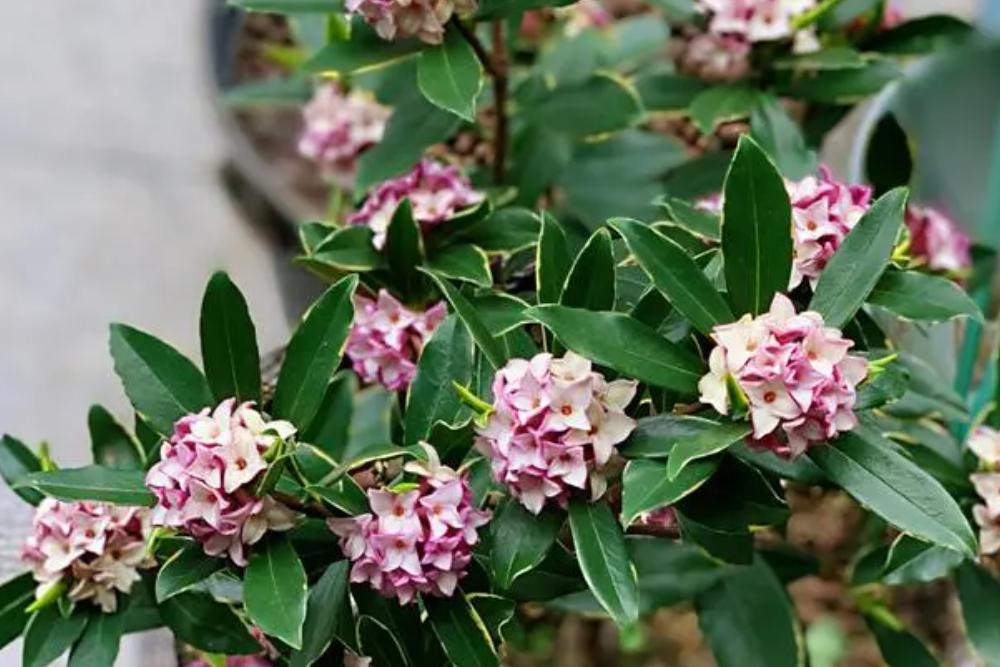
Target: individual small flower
[755,20]
[824,211]
[436,192]
[796,373]
[352,659]
[716,58]
[96,548]
[937,240]
[424,19]
[662,519]
[204,480]
[338,127]
[985,444]
[414,541]
[386,339]
[554,426]
[987,514]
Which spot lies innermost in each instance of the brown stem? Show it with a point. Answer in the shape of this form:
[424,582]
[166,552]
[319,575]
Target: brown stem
[310,509]
[477,46]
[500,102]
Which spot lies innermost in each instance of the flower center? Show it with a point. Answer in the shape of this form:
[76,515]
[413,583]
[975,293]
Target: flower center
[398,510]
[400,543]
[241,463]
[811,225]
[567,410]
[770,396]
[394,318]
[437,509]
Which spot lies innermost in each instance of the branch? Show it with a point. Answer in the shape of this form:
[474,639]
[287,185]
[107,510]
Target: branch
[500,101]
[477,46]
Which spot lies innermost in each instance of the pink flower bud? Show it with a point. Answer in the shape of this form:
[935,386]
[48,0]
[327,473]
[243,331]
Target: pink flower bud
[424,19]
[96,547]
[799,381]
[937,240]
[387,338]
[554,426]
[205,477]
[436,193]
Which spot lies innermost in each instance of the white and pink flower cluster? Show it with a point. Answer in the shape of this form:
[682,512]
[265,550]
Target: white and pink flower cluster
[338,127]
[937,241]
[387,338]
[755,20]
[436,192]
[985,444]
[796,374]
[716,58]
[96,548]
[424,19]
[554,425]
[414,541]
[204,479]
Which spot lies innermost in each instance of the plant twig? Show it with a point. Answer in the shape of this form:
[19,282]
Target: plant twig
[310,509]
[477,46]
[499,101]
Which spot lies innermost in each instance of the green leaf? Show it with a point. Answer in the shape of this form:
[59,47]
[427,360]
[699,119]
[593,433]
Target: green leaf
[446,358]
[660,435]
[463,262]
[668,91]
[324,614]
[505,230]
[841,86]
[404,251]
[925,34]
[893,487]
[348,249]
[198,620]
[590,283]
[275,591]
[709,442]
[979,593]
[856,267]
[646,486]
[379,643]
[314,353]
[552,261]
[749,622]
[888,156]
[49,635]
[886,387]
[781,138]
[918,296]
[600,104]
[675,274]
[365,50]
[695,220]
[600,548]
[462,633]
[450,75]
[624,344]
[98,646]
[756,230]
[901,648]
[835,57]
[520,540]
[15,595]
[912,561]
[330,427]
[490,346]
[720,104]
[120,487]
[187,567]
[273,90]
[161,383]
[16,463]
[110,443]
[229,342]
[494,9]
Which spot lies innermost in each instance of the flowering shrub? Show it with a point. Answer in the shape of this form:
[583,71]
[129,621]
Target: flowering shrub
[552,373]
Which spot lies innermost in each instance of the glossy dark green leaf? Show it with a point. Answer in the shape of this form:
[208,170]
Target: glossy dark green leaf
[868,467]
[275,591]
[724,544]
[404,251]
[161,383]
[505,230]
[720,104]
[834,57]
[912,561]
[314,353]
[590,283]
[98,645]
[446,358]
[461,631]
[598,105]
[924,34]
[229,342]
[668,91]
[17,462]
[856,267]
[110,443]
[604,561]
[520,540]
[492,347]
[699,222]
[736,498]
[49,635]
[800,470]
[266,92]
[670,571]
[329,429]
[186,568]
[464,262]
[371,424]
[782,139]
[624,344]
[900,648]
[748,620]
[756,230]
[979,593]
[646,486]
[364,50]
[658,436]
[841,86]
[198,620]
[379,643]
[15,595]
[918,296]
[324,614]
[450,75]
[348,249]
[886,387]
[552,261]
[120,487]
[675,274]
[709,442]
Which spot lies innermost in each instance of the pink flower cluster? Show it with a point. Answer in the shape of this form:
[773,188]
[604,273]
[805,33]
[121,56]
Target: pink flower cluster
[436,192]
[985,444]
[554,426]
[414,541]
[937,240]
[204,479]
[98,548]
[824,210]
[424,19]
[795,372]
[716,58]
[387,337]
[339,127]
[755,20]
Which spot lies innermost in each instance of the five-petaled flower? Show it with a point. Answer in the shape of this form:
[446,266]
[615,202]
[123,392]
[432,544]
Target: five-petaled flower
[204,480]
[795,372]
